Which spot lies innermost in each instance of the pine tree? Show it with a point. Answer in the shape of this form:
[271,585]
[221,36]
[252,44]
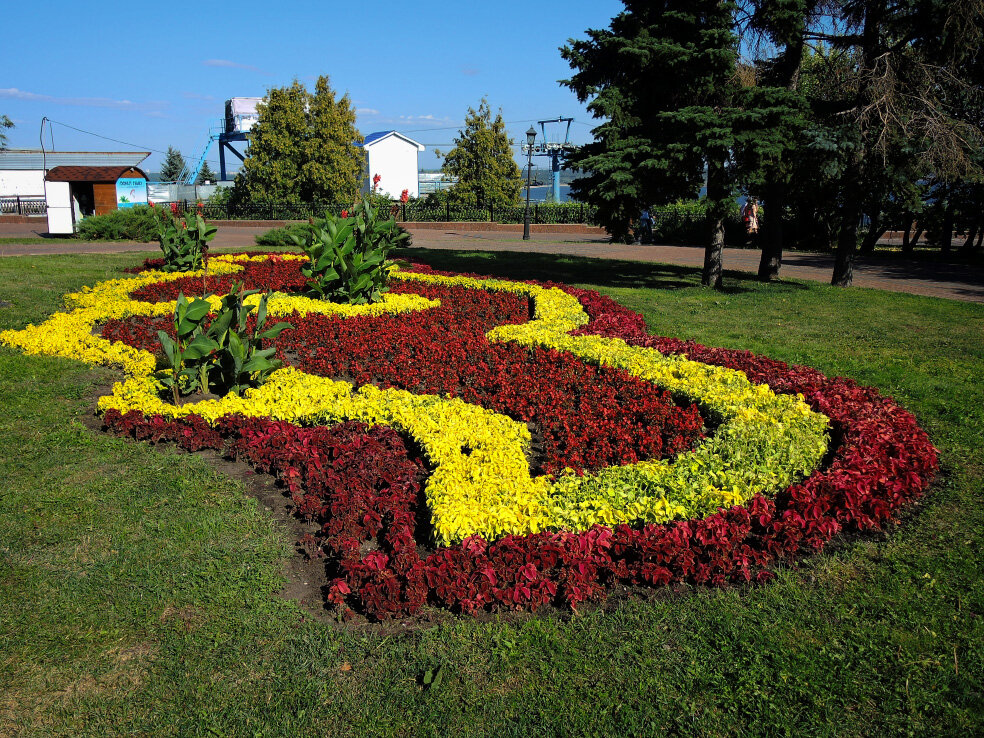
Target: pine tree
[206,175]
[173,165]
[662,79]
[482,161]
[305,147]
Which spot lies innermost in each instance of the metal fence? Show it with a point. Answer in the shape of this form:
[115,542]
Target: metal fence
[21,205]
[412,212]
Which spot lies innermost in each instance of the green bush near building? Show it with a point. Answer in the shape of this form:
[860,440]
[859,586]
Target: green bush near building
[130,224]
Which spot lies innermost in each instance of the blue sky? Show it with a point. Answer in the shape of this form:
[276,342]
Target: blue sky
[157,74]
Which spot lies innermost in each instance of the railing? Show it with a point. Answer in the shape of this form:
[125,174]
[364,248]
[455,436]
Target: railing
[413,211]
[23,205]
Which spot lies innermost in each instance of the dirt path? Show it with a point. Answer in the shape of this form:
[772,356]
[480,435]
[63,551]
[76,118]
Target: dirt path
[950,281]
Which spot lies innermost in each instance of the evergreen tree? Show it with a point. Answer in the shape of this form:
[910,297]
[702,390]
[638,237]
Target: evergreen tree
[304,148]
[482,161]
[173,165]
[662,79]
[882,117]
[775,98]
[5,122]
[334,166]
[206,175]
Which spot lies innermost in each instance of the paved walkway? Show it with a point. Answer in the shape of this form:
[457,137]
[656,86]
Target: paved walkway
[951,281]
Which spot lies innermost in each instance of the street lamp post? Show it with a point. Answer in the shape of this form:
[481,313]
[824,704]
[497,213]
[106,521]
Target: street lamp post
[530,137]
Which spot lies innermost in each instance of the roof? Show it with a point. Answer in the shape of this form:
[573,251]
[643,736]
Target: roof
[36,159]
[89,174]
[373,138]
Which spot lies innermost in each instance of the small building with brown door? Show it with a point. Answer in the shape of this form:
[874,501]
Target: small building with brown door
[73,192]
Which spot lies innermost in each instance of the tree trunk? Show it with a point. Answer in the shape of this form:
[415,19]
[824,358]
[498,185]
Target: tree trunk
[847,243]
[871,238]
[909,225]
[968,245]
[714,251]
[875,232]
[771,261]
[917,236]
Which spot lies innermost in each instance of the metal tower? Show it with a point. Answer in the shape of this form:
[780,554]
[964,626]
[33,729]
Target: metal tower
[556,150]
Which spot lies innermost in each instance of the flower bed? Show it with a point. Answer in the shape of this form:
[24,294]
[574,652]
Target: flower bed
[636,487]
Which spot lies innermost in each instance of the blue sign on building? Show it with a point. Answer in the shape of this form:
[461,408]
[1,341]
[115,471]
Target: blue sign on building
[130,192]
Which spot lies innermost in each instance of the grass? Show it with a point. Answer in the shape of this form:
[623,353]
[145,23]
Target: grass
[31,240]
[137,585]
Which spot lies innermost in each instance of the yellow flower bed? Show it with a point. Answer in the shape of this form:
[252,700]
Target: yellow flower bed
[481,482]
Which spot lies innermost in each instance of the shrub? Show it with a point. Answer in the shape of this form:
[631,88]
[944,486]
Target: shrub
[129,224]
[282,236]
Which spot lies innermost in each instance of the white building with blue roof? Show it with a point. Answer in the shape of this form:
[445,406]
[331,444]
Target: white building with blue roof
[393,157]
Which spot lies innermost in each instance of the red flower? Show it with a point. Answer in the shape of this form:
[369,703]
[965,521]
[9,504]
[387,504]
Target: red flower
[404,196]
[174,208]
[375,181]
[345,213]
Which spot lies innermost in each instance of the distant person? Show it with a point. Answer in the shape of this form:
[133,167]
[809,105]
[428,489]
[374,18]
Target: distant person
[749,215]
[645,227]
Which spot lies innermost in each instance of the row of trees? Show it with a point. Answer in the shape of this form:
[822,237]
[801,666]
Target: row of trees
[306,148]
[829,111]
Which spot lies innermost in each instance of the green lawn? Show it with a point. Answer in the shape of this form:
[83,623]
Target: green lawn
[137,584]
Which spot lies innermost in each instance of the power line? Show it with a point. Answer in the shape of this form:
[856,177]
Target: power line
[116,140]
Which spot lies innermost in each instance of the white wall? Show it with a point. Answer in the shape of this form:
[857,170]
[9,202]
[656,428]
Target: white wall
[23,182]
[395,161]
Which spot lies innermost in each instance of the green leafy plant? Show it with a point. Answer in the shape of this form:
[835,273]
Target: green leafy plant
[227,356]
[184,355]
[239,361]
[348,254]
[184,243]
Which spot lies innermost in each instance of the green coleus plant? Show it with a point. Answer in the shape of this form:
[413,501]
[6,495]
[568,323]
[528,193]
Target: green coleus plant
[348,254]
[227,355]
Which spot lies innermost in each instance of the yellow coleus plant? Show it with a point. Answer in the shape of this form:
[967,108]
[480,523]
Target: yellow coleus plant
[481,482]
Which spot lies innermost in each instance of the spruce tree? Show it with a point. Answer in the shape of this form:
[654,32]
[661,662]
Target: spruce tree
[662,80]
[173,166]
[482,161]
[304,148]
[206,175]
[5,122]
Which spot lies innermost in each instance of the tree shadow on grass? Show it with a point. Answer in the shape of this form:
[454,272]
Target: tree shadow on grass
[575,270]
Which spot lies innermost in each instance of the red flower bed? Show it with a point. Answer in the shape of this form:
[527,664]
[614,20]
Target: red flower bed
[363,486]
[584,417]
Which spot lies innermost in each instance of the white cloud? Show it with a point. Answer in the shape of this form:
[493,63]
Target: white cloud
[230,65]
[426,118]
[366,111]
[12,93]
